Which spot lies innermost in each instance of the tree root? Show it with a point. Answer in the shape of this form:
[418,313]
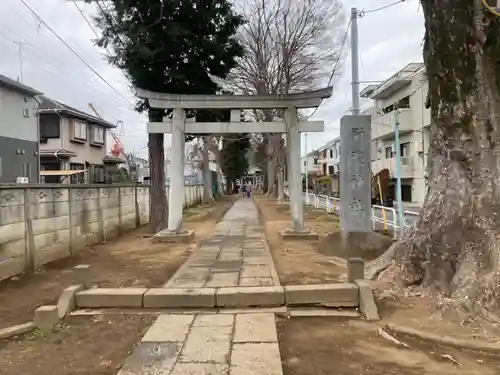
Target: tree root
[390,338]
[446,340]
[376,267]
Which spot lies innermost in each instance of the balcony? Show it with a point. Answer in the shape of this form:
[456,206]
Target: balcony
[383,126]
[407,167]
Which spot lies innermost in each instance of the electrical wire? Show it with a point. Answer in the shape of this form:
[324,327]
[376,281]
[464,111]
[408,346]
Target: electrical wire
[74,52]
[86,19]
[335,66]
[363,12]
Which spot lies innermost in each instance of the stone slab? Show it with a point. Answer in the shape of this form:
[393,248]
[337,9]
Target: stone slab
[66,302]
[197,349]
[180,282]
[250,296]
[255,328]
[46,317]
[256,260]
[291,235]
[110,297]
[333,295]
[17,330]
[226,279]
[339,313]
[249,271]
[213,321]
[200,369]
[179,297]
[210,334]
[367,304]
[256,359]
[194,273]
[256,281]
[165,236]
[227,266]
[151,359]
[169,328]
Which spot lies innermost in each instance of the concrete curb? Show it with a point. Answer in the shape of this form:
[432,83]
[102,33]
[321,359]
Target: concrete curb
[327,295]
[20,329]
[66,302]
[367,304]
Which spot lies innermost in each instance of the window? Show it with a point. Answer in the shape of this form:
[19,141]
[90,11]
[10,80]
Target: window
[405,149]
[78,178]
[49,127]
[315,161]
[305,163]
[98,135]
[388,152]
[98,174]
[331,170]
[80,130]
[331,154]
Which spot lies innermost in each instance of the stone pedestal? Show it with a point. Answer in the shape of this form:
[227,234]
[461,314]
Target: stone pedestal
[46,317]
[169,236]
[294,235]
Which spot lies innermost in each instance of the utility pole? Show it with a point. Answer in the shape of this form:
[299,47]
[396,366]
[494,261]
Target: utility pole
[354,61]
[307,164]
[20,43]
[398,174]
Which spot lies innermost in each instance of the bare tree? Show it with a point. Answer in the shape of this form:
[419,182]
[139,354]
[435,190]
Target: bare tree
[291,45]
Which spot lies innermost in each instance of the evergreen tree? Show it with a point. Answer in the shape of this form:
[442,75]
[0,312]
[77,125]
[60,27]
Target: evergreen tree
[234,158]
[170,46]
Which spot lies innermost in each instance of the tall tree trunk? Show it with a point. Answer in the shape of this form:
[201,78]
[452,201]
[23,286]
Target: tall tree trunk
[455,246]
[207,177]
[158,210]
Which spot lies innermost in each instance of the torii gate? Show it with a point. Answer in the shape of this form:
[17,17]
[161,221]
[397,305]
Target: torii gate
[178,126]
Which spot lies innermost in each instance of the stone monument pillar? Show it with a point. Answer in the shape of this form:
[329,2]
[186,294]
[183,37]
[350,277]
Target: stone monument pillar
[355,174]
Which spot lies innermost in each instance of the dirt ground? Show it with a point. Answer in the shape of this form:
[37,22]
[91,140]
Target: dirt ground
[328,346]
[83,345]
[131,260]
[299,262]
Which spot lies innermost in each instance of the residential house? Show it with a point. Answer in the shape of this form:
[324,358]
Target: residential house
[328,166]
[18,132]
[73,145]
[401,98]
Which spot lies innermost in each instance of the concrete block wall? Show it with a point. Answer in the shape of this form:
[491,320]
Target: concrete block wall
[43,223]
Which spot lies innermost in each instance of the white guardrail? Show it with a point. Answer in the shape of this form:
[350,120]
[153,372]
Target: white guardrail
[390,223]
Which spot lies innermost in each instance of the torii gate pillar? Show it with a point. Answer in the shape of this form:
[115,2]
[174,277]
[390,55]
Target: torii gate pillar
[298,230]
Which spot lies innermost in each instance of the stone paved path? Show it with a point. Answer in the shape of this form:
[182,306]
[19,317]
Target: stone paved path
[236,254]
[224,343]
[217,344]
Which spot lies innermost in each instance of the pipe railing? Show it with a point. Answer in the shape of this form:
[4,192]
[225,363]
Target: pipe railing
[383,217]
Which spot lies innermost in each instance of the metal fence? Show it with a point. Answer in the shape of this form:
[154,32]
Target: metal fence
[383,218]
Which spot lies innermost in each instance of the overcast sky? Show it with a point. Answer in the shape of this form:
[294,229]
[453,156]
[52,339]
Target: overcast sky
[388,40]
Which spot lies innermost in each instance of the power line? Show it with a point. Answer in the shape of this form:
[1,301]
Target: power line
[74,52]
[363,12]
[337,61]
[86,19]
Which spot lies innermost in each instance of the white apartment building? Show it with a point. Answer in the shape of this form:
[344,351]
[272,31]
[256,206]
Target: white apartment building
[407,91]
